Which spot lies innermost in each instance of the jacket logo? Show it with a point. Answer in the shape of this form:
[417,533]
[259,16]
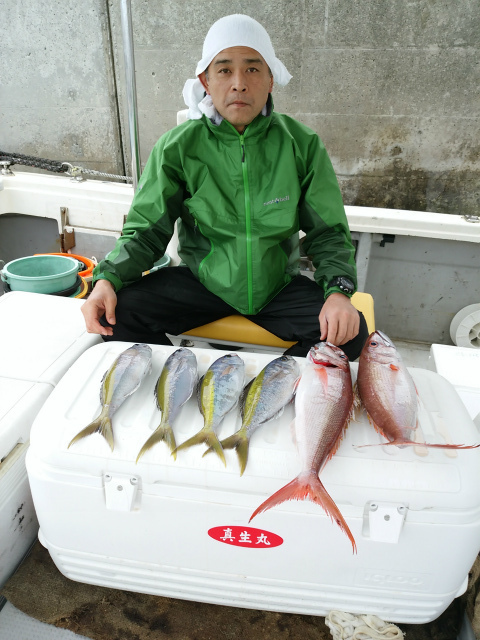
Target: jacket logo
[276,201]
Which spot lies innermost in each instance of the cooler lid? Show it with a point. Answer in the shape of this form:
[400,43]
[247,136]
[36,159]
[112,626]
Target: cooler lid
[461,367]
[42,335]
[20,401]
[425,480]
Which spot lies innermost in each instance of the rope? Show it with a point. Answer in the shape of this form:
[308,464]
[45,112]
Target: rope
[39,163]
[103,175]
[56,167]
[345,626]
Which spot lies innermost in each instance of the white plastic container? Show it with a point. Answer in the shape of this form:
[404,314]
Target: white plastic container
[180,528]
[41,336]
[461,367]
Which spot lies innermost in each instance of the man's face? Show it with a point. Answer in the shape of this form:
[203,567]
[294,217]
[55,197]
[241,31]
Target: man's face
[239,81]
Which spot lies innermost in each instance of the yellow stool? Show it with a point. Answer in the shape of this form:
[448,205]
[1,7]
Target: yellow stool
[236,329]
[364,303]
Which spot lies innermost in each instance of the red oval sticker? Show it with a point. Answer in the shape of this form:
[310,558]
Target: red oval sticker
[245,537]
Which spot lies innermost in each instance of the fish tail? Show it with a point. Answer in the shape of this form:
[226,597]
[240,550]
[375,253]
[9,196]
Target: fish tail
[102,425]
[308,487]
[452,446]
[435,446]
[163,432]
[239,442]
[412,443]
[208,437]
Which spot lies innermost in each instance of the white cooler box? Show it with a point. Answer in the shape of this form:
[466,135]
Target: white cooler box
[41,336]
[180,528]
[461,367]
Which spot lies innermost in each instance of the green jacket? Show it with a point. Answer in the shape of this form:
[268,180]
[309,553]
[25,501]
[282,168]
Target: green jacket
[240,201]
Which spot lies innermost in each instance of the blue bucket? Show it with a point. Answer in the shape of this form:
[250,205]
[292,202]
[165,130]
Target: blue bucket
[41,274]
[159,264]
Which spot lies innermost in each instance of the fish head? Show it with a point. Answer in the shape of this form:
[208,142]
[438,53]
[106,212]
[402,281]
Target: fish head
[224,368]
[328,355]
[228,363]
[182,356]
[141,347]
[379,348]
[142,354]
[281,371]
[141,350]
[183,352]
[285,365]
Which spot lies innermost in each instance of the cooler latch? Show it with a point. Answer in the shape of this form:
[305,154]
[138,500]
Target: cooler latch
[120,491]
[383,521]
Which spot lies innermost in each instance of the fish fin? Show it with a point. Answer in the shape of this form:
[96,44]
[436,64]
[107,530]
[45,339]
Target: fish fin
[213,444]
[155,393]
[336,445]
[238,441]
[413,443]
[308,487]
[244,394]
[321,372]
[357,402]
[275,415]
[338,441]
[102,389]
[375,425]
[198,393]
[295,385]
[394,367]
[401,443]
[209,437]
[102,425]
[163,432]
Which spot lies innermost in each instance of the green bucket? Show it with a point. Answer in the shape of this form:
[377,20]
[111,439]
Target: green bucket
[41,274]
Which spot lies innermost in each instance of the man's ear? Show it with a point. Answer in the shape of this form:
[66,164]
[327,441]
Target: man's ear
[271,84]
[203,79]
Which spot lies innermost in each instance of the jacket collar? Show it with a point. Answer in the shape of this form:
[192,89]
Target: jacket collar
[226,131]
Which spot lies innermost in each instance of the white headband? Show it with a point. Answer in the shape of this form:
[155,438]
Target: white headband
[232,31]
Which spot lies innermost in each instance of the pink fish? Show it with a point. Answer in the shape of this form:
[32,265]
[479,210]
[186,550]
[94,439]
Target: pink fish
[388,393]
[323,407]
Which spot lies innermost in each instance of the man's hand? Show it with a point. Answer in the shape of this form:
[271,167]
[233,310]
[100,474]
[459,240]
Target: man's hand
[339,320]
[102,300]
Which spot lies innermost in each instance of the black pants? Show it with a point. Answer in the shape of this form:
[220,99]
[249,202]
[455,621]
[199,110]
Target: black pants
[172,300]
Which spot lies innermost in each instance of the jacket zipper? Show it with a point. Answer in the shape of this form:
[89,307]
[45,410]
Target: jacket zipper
[248,230]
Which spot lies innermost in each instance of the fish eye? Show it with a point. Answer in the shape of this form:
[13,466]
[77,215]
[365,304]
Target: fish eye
[343,356]
[373,343]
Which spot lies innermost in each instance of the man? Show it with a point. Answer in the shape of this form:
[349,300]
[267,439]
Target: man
[242,181]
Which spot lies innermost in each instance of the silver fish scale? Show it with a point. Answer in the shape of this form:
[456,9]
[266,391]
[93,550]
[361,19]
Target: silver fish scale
[321,413]
[400,393]
[179,381]
[276,391]
[228,378]
[129,370]
[396,393]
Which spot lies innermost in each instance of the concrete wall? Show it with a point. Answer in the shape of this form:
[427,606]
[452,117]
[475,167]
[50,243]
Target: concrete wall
[392,87]
[57,86]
